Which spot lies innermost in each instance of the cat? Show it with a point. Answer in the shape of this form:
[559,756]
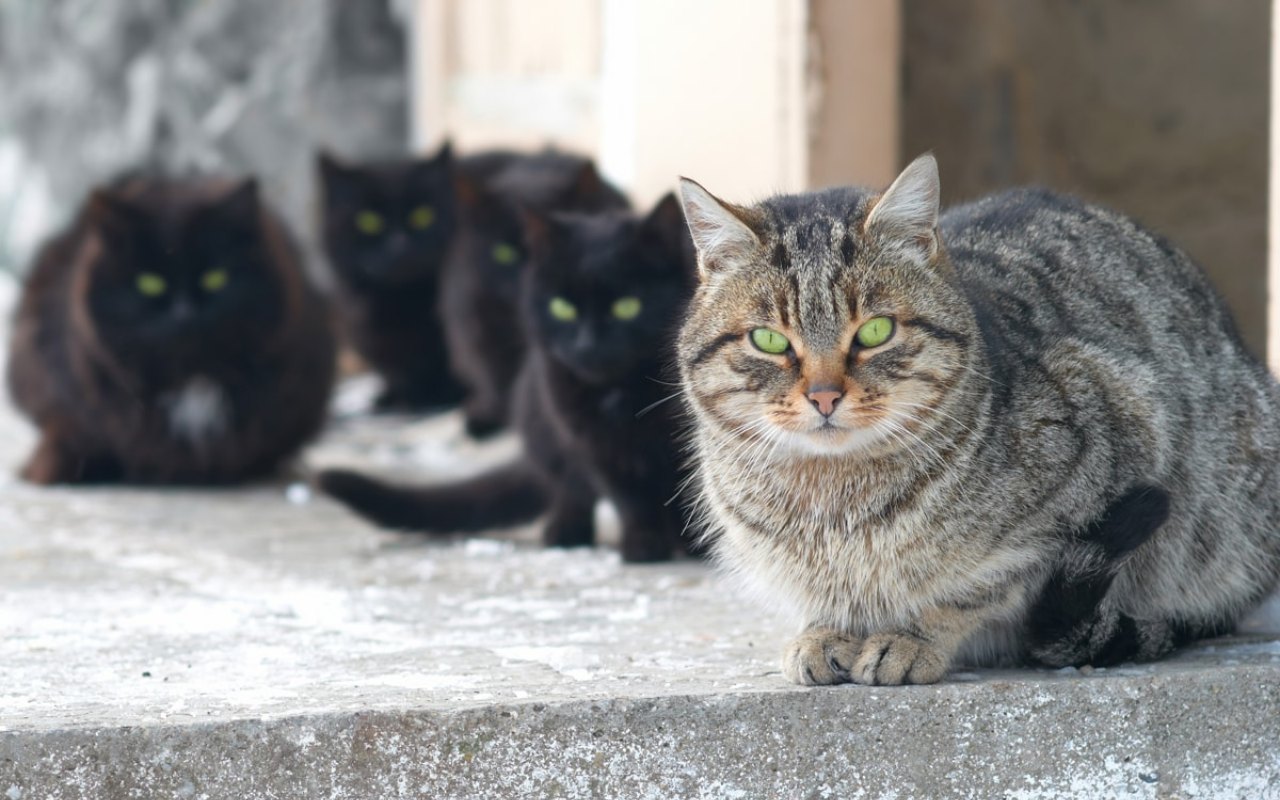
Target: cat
[168,335]
[480,284]
[387,228]
[907,425]
[602,296]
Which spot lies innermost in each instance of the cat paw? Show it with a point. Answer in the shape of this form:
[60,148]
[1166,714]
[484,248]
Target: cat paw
[892,659]
[820,658]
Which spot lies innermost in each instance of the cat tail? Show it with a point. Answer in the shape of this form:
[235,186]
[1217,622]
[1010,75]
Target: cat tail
[503,497]
[1072,623]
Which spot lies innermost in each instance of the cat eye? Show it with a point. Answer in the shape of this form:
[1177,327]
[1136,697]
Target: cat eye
[562,309]
[626,308]
[874,332]
[215,280]
[151,285]
[370,223]
[505,254]
[422,218]
[769,341]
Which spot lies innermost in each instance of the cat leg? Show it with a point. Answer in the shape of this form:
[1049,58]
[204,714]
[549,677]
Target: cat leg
[1070,623]
[485,414]
[649,532]
[572,519]
[54,461]
[919,652]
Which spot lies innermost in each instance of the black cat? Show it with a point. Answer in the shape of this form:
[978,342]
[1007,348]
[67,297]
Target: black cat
[387,228]
[602,295]
[480,285]
[169,336]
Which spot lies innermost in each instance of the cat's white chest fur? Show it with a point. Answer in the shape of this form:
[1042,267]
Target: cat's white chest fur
[199,411]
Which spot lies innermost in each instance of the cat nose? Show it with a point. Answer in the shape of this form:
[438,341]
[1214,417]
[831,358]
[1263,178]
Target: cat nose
[824,398]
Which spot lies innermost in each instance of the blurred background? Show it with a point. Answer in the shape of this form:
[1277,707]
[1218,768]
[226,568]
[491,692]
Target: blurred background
[1156,107]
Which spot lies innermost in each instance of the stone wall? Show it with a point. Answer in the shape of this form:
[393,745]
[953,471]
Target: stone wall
[1156,107]
[245,86]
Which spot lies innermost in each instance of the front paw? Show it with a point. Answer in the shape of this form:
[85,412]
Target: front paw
[820,658]
[892,659]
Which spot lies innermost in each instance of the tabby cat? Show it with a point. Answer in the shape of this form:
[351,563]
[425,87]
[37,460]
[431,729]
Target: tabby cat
[926,435]
[169,336]
[602,298]
[481,281]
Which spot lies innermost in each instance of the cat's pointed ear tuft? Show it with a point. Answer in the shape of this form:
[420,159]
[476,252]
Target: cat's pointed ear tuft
[908,209]
[445,153]
[721,233]
[111,215]
[328,165]
[664,227]
[587,183]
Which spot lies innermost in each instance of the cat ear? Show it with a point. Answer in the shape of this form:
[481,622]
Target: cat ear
[538,230]
[112,216]
[587,183]
[722,233]
[908,209]
[664,226]
[337,179]
[445,153]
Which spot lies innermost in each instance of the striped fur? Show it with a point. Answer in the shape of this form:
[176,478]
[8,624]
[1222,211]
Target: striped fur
[1049,360]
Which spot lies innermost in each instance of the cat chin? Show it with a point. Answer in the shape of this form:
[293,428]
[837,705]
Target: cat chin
[831,441]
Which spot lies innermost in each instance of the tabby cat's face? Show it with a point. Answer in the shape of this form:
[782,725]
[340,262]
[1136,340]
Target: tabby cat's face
[180,270]
[605,291]
[825,323]
[388,223]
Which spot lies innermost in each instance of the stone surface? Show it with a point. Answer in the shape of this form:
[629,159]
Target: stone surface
[261,643]
[92,87]
[1157,108]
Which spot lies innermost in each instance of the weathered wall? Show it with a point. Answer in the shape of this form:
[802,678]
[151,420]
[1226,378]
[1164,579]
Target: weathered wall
[94,86]
[1155,107]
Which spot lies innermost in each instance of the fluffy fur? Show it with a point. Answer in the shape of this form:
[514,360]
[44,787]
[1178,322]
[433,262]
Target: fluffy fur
[218,372]
[1048,360]
[387,228]
[594,414]
[480,286]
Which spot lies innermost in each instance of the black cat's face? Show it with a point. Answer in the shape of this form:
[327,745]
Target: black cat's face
[604,292]
[390,223]
[180,272]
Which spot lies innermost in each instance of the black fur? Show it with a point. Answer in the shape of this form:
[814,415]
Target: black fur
[1070,625]
[169,336]
[480,286]
[594,414]
[388,278]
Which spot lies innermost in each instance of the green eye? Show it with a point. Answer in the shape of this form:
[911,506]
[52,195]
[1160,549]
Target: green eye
[562,309]
[504,253]
[769,341]
[422,217]
[151,284]
[370,223]
[626,308]
[215,280]
[874,332]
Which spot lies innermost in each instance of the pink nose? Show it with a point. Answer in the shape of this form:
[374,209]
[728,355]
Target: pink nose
[825,400]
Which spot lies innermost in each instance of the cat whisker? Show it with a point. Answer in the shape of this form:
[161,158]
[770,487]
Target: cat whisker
[652,406]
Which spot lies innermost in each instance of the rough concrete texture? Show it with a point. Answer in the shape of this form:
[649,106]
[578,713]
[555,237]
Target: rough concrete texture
[261,643]
[1155,107]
